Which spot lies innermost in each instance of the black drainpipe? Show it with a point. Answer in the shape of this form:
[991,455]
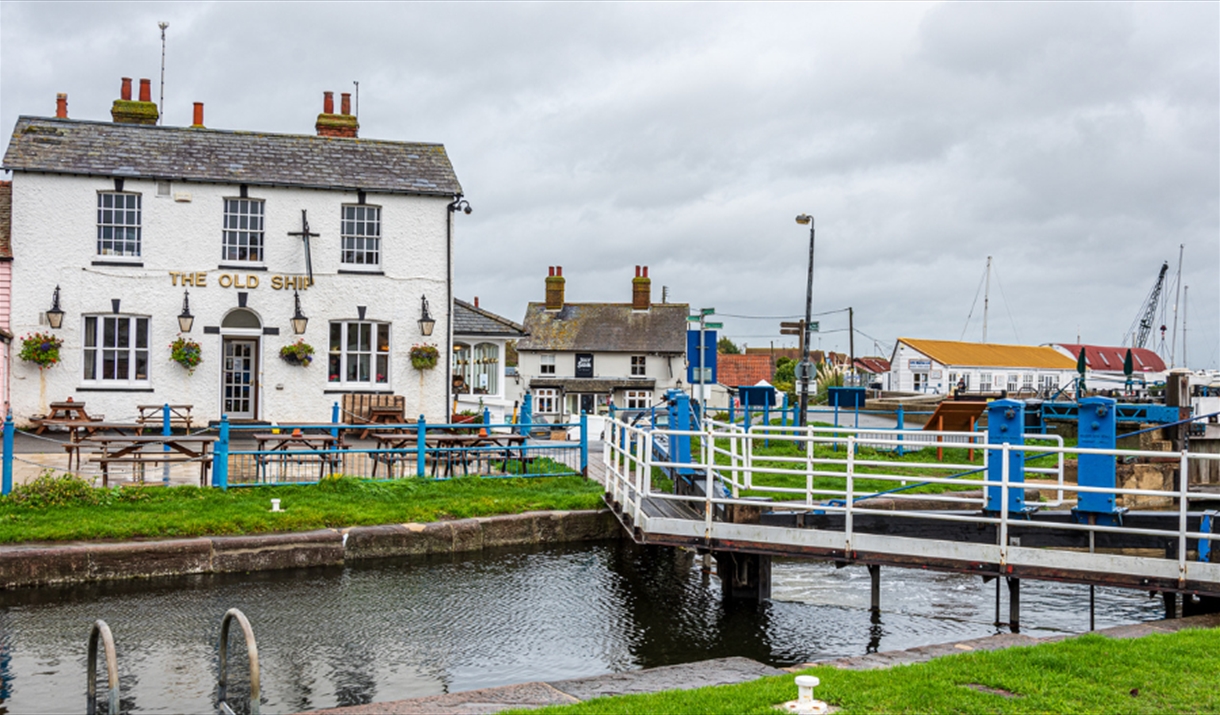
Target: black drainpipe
[458,204]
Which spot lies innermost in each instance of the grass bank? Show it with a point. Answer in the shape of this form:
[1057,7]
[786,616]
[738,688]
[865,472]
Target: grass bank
[1174,673]
[66,508]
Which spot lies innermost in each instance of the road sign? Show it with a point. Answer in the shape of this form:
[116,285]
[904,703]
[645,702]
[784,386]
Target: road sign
[792,326]
[813,326]
[713,326]
[706,373]
[803,370]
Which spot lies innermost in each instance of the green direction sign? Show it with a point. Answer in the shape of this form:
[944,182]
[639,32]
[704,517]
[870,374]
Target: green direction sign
[813,326]
[714,326]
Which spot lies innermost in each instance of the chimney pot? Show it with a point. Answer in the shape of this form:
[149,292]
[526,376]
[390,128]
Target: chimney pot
[476,301]
[645,271]
[550,270]
[61,106]
[345,103]
[125,91]
[145,90]
[328,102]
[559,271]
[198,115]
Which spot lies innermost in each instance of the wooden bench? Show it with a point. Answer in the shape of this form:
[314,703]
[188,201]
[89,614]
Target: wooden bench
[363,408]
[152,416]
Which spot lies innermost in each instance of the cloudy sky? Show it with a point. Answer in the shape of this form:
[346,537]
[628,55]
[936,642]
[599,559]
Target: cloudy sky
[1078,145]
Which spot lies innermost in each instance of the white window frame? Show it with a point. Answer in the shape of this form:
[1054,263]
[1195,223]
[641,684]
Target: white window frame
[340,356]
[360,236]
[546,401]
[1027,382]
[637,399]
[639,365]
[252,230]
[546,364]
[108,220]
[94,350]
[985,382]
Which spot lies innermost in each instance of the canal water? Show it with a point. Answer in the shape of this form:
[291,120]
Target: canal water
[406,628]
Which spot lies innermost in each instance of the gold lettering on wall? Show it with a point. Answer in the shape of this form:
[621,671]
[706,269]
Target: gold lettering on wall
[247,281]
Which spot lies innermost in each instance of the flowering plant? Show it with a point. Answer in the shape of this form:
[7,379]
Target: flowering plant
[424,357]
[298,353]
[186,352]
[42,349]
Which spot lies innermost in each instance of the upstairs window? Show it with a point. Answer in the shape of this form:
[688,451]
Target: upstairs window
[546,364]
[243,230]
[118,224]
[639,364]
[116,349]
[360,234]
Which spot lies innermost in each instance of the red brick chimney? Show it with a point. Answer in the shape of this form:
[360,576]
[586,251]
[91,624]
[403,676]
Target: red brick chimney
[476,301]
[125,111]
[641,290]
[61,106]
[336,125]
[554,288]
[198,121]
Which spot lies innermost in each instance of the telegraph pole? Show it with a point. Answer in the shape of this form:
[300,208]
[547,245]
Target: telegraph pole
[804,368]
[851,342]
[161,108]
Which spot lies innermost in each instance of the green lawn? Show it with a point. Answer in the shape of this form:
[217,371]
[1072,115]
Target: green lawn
[66,508]
[1163,673]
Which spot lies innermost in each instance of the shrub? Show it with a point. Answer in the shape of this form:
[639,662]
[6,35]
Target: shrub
[49,490]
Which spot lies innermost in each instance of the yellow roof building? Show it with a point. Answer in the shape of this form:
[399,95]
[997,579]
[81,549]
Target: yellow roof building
[952,352]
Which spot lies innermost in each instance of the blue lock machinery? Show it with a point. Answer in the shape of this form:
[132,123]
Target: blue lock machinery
[1097,429]
[1006,425]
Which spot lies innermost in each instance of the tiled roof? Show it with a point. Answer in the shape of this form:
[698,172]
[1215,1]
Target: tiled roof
[606,327]
[743,370]
[874,365]
[594,384]
[951,352]
[6,219]
[65,146]
[1110,359]
[469,320]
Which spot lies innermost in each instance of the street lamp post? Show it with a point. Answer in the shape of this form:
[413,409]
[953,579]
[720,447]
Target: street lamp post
[804,219]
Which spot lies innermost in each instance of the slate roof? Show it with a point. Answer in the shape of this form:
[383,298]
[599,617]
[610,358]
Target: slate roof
[6,219]
[594,384]
[1110,359]
[606,327]
[469,320]
[747,370]
[952,352]
[68,146]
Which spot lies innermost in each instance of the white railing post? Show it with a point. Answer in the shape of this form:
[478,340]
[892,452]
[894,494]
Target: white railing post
[851,488]
[1183,483]
[707,485]
[1004,454]
[808,465]
[646,461]
[1061,455]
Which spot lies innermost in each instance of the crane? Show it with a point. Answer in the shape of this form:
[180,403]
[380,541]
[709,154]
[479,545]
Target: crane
[1144,320]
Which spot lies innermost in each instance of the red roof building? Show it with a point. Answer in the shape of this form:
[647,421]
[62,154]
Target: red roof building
[744,370]
[1110,359]
[873,365]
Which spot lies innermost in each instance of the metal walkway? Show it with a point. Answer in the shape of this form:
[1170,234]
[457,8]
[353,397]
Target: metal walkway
[813,494]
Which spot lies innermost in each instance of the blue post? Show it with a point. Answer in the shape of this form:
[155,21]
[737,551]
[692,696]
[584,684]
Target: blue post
[732,412]
[783,412]
[767,419]
[421,446]
[8,454]
[1006,425]
[220,456]
[1097,429]
[526,423]
[487,419]
[165,432]
[334,420]
[584,444]
[899,427]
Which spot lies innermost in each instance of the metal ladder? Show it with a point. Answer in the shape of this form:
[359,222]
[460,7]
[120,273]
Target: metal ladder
[101,631]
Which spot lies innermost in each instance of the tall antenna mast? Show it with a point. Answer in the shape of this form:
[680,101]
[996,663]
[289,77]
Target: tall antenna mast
[1185,302]
[1173,341]
[986,298]
[161,106]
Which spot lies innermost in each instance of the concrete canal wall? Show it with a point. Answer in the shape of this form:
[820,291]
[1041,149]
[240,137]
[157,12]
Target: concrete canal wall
[47,564]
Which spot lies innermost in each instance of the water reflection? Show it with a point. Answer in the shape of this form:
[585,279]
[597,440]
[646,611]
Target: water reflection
[397,629]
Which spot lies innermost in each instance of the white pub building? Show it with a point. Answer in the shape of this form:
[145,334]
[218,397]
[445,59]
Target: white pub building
[127,235]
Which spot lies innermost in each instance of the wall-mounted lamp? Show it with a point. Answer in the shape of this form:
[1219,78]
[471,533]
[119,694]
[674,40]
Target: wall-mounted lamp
[55,316]
[299,321]
[426,321]
[460,204]
[186,320]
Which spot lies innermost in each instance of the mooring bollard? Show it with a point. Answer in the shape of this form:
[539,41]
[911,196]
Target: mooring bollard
[804,703]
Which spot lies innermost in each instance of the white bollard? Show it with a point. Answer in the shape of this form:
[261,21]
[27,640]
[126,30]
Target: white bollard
[275,505]
[804,703]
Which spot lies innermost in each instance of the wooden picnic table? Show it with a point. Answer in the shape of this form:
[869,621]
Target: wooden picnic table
[179,415]
[77,429]
[306,445]
[119,449]
[383,415]
[449,446]
[61,412]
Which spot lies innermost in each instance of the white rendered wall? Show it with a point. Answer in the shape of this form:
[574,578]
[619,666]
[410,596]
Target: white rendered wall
[54,243]
[607,365]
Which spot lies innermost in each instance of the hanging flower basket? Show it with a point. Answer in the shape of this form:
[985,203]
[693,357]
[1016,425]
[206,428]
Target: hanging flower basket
[298,353]
[42,349]
[187,353]
[424,357]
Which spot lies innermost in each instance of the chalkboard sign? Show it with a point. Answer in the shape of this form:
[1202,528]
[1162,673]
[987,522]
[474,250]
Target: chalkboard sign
[584,364]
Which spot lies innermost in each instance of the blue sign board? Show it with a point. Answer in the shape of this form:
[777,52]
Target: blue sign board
[846,396]
[709,356]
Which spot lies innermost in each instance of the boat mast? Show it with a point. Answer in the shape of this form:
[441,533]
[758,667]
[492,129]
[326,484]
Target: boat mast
[1185,302]
[986,298]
